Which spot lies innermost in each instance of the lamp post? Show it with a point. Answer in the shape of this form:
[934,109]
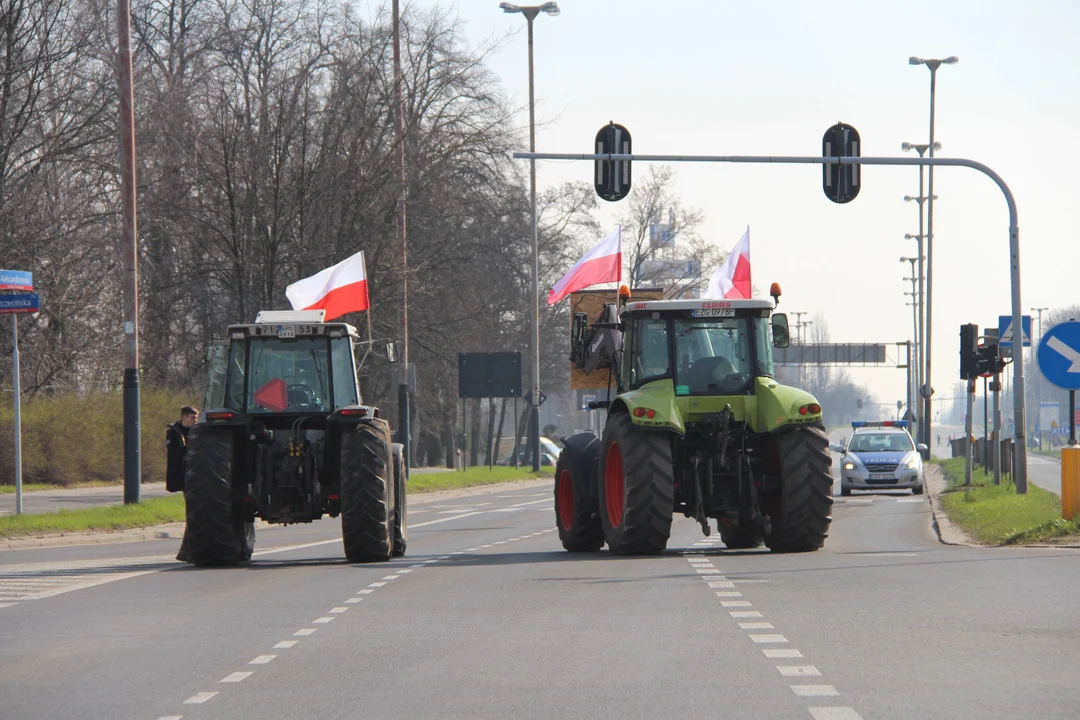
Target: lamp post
[530,12]
[913,371]
[920,148]
[933,64]
[1038,375]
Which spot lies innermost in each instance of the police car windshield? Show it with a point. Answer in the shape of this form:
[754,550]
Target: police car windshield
[881,442]
[713,356]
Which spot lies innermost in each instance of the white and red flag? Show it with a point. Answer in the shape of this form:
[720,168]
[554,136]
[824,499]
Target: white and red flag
[732,279]
[601,264]
[338,290]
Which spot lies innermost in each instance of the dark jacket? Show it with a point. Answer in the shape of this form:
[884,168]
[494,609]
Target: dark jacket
[176,447]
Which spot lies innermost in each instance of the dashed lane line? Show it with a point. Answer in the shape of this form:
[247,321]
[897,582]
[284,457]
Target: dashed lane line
[777,653]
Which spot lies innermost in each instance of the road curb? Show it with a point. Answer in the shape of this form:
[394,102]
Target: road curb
[175,531]
[947,533]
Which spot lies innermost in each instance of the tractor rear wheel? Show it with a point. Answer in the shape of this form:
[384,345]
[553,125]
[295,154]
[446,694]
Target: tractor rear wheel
[577,509]
[401,511]
[637,488]
[217,532]
[800,517]
[367,492]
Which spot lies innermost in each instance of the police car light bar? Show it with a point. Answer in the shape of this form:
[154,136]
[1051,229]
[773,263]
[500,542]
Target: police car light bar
[881,423]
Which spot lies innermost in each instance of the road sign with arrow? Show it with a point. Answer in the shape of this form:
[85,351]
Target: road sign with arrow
[1059,355]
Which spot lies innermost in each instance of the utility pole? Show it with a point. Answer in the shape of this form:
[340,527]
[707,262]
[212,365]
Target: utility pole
[405,429]
[130,253]
[1037,386]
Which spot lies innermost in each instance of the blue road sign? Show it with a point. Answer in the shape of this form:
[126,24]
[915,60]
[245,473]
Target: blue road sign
[1005,332]
[20,303]
[16,280]
[1059,355]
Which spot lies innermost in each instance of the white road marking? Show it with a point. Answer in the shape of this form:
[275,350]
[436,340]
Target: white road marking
[860,501]
[413,526]
[376,584]
[798,670]
[834,713]
[171,717]
[708,571]
[500,542]
[886,554]
[911,500]
[814,690]
[781,653]
[262,660]
[304,632]
[744,613]
[756,626]
[353,601]
[323,620]
[285,644]
[531,502]
[768,638]
[199,698]
[404,571]
[4,605]
[391,577]
[721,584]
[735,603]
[338,610]
[728,593]
[236,677]
[365,591]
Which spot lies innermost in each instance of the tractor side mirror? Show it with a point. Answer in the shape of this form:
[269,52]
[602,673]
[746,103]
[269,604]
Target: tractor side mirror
[577,339]
[392,351]
[781,337]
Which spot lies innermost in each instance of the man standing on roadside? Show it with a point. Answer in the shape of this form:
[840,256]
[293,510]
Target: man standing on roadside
[176,447]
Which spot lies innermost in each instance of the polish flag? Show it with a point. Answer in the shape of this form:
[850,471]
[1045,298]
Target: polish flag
[601,264]
[338,290]
[732,279]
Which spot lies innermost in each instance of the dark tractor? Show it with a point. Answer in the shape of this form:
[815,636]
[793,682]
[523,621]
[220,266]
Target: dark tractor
[285,437]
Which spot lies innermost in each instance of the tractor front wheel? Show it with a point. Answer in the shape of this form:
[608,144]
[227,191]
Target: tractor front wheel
[637,488]
[577,510]
[799,513]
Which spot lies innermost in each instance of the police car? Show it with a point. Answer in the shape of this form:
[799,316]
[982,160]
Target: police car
[880,456]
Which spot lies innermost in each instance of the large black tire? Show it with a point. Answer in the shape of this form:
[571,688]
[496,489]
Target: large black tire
[367,492]
[636,487]
[217,532]
[401,510]
[800,520]
[577,507]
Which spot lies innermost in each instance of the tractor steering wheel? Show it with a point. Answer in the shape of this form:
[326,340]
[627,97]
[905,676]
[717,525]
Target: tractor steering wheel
[304,390]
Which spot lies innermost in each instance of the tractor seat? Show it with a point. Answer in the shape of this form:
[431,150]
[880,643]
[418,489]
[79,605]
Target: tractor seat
[709,371]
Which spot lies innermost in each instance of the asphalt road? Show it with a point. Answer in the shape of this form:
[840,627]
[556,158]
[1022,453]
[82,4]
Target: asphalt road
[488,617]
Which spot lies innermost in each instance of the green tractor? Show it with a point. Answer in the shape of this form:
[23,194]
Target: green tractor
[698,425]
[284,438]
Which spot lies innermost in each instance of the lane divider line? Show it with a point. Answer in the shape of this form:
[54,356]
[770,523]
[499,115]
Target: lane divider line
[236,677]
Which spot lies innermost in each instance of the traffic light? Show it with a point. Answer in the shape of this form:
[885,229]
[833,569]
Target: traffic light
[840,182]
[612,176]
[969,342]
[988,363]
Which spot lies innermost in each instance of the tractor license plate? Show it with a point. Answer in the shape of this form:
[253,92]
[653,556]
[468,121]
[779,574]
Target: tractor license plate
[882,476]
[286,331]
[713,312]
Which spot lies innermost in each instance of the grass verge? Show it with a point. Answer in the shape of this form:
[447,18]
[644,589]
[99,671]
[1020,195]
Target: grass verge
[38,487]
[155,511]
[450,480]
[996,515]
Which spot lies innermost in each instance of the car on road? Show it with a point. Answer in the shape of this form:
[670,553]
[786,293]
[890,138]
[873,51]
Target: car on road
[549,454]
[880,456]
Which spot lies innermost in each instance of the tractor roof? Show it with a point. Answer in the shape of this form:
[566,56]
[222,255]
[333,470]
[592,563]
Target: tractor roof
[718,306]
[290,324]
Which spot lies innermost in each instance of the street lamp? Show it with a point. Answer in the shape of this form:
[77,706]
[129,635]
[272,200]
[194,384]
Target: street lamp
[1038,375]
[530,12]
[933,64]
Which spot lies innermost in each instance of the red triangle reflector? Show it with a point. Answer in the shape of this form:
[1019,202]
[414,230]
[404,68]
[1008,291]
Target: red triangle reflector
[273,396]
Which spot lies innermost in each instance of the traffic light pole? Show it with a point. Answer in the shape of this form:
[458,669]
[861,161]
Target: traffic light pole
[1014,244]
[968,430]
[996,389]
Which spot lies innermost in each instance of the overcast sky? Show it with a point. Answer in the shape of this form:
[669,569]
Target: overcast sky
[719,77]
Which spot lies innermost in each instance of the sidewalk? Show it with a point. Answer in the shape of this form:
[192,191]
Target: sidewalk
[76,499]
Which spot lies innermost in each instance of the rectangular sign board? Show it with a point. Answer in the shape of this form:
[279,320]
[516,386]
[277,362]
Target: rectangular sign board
[16,280]
[489,375]
[591,302]
[1005,331]
[20,303]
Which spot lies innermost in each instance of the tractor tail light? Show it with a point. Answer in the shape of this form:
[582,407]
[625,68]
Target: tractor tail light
[219,415]
[639,412]
[650,413]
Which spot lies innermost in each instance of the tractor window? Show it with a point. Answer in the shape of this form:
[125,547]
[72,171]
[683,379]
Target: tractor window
[234,384]
[286,375]
[648,356]
[217,366]
[763,347]
[713,356]
[344,374]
